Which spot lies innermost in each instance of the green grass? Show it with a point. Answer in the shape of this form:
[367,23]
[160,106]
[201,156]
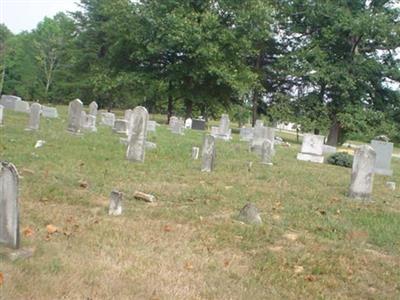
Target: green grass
[189,245]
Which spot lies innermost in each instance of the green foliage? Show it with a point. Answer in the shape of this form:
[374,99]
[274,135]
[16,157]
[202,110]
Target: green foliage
[342,159]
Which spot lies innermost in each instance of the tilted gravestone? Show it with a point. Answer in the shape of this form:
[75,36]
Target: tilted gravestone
[208,154]
[75,116]
[267,152]
[249,214]
[115,208]
[362,175]
[137,138]
[9,213]
[312,148]
[93,107]
[1,114]
[34,117]
[384,151]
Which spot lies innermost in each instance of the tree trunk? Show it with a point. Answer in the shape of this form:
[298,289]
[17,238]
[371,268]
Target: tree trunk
[189,108]
[170,108]
[255,108]
[334,133]
[3,74]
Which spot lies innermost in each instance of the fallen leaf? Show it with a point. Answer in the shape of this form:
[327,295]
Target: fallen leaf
[275,248]
[167,228]
[291,236]
[188,266]
[298,269]
[51,229]
[228,187]
[1,279]
[83,184]
[27,231]
[226,262]
[310,278]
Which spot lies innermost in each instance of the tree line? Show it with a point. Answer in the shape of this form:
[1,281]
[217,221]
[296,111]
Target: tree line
[329,65]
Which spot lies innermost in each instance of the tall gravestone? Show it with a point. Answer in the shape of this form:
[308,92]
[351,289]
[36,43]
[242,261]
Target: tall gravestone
[93,107]
[362,175]
[9,213]
[267,152]
[223,131]
[312,148]
[384,151]
[34,117]
[75,116]
[208,154]
[1,114]
[260,135]
[137,138]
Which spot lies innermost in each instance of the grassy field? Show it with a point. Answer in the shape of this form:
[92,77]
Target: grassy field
[314,243]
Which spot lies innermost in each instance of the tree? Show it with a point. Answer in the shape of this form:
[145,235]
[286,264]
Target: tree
[5,35]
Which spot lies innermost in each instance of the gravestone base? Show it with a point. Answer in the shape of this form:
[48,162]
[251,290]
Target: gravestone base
[360,196]
[310,157]
[13,255]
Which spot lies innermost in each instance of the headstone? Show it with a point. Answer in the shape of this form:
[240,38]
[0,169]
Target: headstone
[178,126]
[83,119]
[172,122]
[90,123]
[115,208]
[108,119]
[312,148]
[49,112]
[208,154]
[9,214]
[1,114]
[260,135]
[137,138]
[223,132]
[9,101]
[246,134]
[22,106]
[391,185]
[74,116]
[151,126]
[362,175]
[259,123]
[34,117]
[198,124]
[93,107]
[150,145]
[121,126]
[188,123]
[195,153]
[384,151]
[267,152]
[127,114]
[249,214]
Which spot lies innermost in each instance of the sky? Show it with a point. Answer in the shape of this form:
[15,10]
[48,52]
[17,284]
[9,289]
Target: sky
[19,15]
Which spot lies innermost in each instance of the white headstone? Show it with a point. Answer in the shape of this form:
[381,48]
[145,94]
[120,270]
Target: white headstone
[75,116]
[9,101]
[34,117]
[137,138]
[93,107]
[9,213]
[49,112]
[151,126]
[1,114]
[362,175]
[384,151]
[208,154]
[195,153]
[22,106]
[188,123]
[108,119]
[121,126]
[115,208]
[312,148]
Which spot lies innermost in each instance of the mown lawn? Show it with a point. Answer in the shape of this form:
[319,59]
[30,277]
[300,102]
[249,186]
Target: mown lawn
[314,243]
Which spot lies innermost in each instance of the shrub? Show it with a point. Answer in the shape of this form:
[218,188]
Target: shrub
[342,159]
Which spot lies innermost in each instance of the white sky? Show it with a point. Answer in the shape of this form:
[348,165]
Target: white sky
[19,15]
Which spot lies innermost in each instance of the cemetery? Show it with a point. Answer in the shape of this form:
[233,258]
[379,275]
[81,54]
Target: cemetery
[199,149]
[190,218]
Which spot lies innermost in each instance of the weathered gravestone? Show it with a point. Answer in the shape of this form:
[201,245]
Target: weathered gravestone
[121,126]
[222,131]
[83,119]
[249,214]
[178,126]
[1,114]
[260,135]
[22,106]
[312,148]
[49,112]
[151,126]
[137,138]
[115,208]
[195,153]
[9,101]
[9,213]
[91,123]
[246,134]
[198,124]
[208,154]
[267,152]
[75,116]
[93,107]
[362,175]
[128,114]
[259,123]
[384,151]
[108,119]
[172,122]
[34,117]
